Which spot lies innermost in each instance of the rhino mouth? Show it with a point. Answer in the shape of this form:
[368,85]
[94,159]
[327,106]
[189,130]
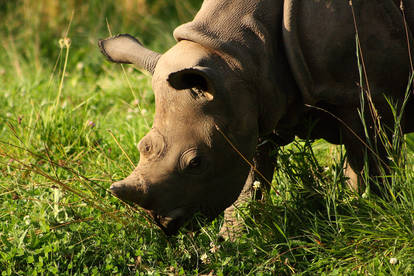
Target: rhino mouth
[176,219]
[170,223]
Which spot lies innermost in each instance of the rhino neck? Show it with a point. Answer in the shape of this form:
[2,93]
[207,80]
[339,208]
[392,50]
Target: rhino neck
[244,29]
[247,34]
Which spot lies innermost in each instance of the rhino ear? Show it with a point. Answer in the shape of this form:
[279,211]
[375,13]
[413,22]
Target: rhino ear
[199,78]
[125,48]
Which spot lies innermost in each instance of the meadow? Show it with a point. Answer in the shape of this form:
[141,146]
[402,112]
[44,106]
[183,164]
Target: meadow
[70,123]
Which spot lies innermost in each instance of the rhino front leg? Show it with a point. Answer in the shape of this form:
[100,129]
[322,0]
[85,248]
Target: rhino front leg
[354,177]
[378,166]
[265,162]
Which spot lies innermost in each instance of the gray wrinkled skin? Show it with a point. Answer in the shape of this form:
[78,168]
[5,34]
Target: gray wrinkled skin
[256,68]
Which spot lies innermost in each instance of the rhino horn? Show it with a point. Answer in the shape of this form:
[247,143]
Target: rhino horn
[130,189]
[125,48]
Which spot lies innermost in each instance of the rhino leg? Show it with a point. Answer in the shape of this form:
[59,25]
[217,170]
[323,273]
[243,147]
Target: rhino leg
[354,177]
[378,167]
[265,162]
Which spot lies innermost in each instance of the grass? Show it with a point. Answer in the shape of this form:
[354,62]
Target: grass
[66,119]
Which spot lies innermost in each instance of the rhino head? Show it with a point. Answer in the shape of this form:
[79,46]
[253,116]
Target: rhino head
[186,165]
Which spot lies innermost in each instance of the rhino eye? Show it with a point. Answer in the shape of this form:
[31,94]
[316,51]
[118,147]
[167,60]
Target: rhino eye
[194,163]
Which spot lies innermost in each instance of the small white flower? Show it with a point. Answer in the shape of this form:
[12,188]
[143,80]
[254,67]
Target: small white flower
[393,261]
[204,258]
[143,111]
[214,248]
[27,220]
[256,185]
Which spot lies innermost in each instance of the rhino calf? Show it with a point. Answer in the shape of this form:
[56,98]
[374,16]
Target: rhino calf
[245,70]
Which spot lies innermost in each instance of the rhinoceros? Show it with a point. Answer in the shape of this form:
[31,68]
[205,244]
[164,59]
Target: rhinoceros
[244,72]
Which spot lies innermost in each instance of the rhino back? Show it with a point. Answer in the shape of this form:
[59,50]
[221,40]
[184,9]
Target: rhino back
[320,42]
[315,62]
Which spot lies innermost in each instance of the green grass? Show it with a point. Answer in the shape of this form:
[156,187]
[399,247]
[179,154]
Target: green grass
[59,154]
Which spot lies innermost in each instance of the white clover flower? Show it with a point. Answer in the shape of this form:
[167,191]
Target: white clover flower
[27,220]
[214,248]
[256,185]
[204,258]
[393,261]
